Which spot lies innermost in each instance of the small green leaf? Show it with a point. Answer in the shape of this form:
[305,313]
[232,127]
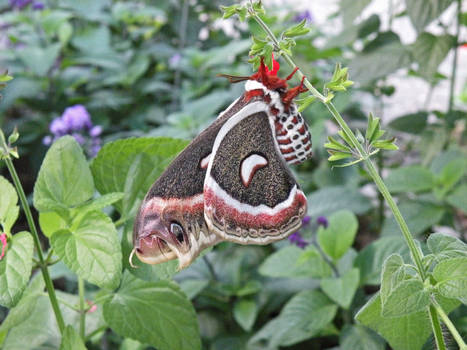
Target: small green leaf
[156,313]
[372,127]
[296,30]
[386,144]
[451,275]
[91,249]
[292,261]
[15,268]
[392,276]
[338,237]
[445,247]
[342,289]
[245,312]
[305,102]
[336,145]
[411,123]
[9,209]
[344,136]
[51,222]
[71,340]
[101,202]
[451,173]
[335,155]
[458,198]
[4,77]
[64,179]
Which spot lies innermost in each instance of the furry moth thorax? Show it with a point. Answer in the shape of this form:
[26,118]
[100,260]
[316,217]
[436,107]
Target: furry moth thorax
[231,182]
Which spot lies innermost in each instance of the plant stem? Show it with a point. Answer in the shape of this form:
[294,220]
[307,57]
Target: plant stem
[82,309]
[416,254]
[454,60]
[32,226]
[457,337]
[437,331]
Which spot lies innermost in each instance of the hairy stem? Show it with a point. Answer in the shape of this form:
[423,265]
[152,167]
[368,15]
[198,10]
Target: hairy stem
[82,309]
[42,263]
[437,331]
[455,334]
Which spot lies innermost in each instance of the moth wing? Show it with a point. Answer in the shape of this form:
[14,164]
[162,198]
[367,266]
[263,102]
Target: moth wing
[250,195]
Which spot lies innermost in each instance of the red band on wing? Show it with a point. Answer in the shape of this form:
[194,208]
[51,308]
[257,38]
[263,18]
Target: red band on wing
[218,208]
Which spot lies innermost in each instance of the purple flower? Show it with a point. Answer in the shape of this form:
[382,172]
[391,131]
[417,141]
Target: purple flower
[322,221]
[19,4]
[76,121]
[58,127]
[38,5]
[303,15]
[77,118]
[95,131]
[175,60]
[306,220]
[297,239]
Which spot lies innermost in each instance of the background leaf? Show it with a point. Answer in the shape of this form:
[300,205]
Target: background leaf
[358,337]
[9,209]
[71,340]
[64,179]
[342,289]
[338,237]
[157,313]
[414,178]
[245,312]
[422,12]
[15,268]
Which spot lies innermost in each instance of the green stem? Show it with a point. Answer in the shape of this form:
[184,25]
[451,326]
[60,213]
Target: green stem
[454,63]
[32,226]
[416,254]
[457,337]
[437,331]
[82,309]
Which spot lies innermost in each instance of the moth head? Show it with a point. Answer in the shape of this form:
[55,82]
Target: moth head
[159,237]
[267,84]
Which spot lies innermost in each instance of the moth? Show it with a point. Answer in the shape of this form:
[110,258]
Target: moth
[232,182]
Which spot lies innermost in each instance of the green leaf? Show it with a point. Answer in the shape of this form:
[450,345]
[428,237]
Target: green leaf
[423,12]
[342,289]
[451,276]
[292,261]
[451,173]
[71,340]
[386,144]
[245,312]
[446,247]
[380,62]
[64,179]
[112,165]
[408,332]
[413,123]
[429,51]
[418,215]
[370,259]
[392,276]
[101,202]
[25,306]
[331,199]
[9,209]
[192,287]
[302,317]
[338,237]
[458,198]
[296,30]
[408,297]
[157,313]
[357,337]
[15,268]
[51,222]
[38,59]
[91,249]
[413,178]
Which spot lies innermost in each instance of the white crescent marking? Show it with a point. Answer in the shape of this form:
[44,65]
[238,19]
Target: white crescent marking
[249,167]
[205,161]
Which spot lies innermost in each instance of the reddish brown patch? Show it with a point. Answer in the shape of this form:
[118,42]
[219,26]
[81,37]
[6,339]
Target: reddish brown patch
[284,142]
[250,94]
[274,110]
[287,150]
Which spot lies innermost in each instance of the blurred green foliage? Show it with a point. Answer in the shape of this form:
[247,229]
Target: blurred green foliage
[145,68]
